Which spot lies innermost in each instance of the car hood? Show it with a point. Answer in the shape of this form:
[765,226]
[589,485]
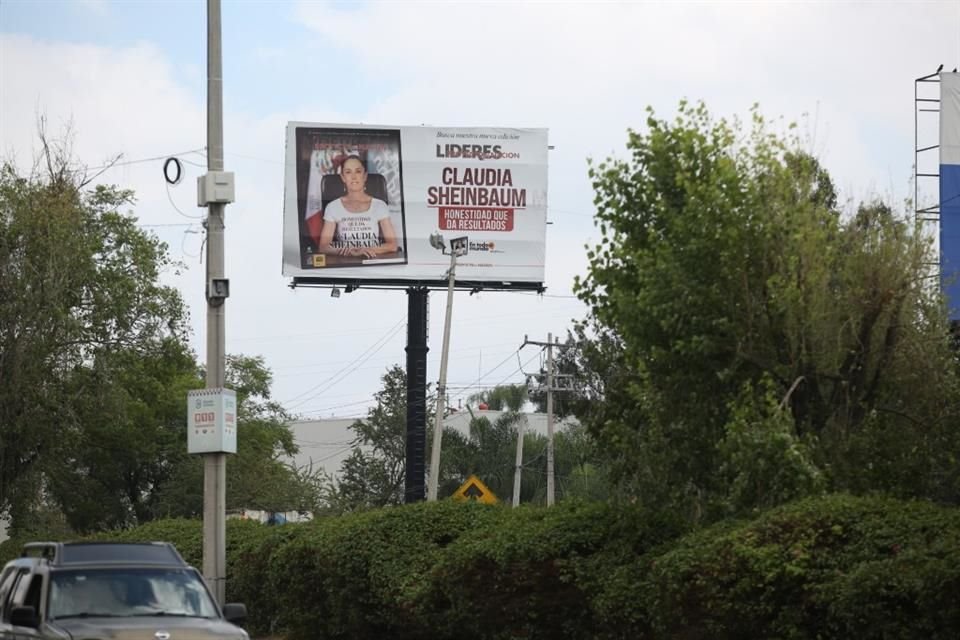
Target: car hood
[151,628]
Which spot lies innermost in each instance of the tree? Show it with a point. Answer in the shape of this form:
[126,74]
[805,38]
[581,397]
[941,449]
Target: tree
[487,451]
[78,279]
[129,438]
[503,397]
[726,266]
[95,367]
[258,476]
[373,473]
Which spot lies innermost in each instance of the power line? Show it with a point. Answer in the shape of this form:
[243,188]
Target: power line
[169,224]
[111,165]
[327,384]
[477,383]
[331,455]
[177,209]
[535,356]
[339,406]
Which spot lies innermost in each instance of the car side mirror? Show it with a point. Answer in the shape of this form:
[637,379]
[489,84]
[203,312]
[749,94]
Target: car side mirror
[24,617]
[235,612]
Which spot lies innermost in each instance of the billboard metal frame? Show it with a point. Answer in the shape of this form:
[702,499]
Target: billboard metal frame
[473,286]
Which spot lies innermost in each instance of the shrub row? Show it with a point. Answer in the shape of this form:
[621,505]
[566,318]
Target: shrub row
[834,567]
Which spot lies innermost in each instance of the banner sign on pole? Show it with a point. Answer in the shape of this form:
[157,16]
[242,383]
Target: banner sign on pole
[212,421]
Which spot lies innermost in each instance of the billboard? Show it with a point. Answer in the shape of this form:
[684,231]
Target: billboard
[950,189]
[361,202]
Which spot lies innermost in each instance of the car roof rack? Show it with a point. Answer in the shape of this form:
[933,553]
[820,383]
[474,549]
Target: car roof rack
[48,550]
[105,553]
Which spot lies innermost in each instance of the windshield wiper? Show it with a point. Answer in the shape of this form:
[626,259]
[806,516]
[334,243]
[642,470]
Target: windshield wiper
[86,614]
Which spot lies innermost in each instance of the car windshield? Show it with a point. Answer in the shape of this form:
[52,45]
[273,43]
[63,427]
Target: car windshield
[129,592]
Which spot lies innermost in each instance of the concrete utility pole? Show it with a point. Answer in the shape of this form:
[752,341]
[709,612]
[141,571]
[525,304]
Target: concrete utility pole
[518,470]
[215,189]
[551,489]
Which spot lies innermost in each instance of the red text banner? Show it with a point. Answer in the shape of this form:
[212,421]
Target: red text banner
[475,219]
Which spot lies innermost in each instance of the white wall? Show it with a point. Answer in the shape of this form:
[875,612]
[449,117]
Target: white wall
[326,443]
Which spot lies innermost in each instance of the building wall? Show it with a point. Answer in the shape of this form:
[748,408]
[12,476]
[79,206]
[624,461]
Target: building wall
[326,443]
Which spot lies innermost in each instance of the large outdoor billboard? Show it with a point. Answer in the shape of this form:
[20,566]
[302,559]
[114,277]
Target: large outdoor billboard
[361,202]
[950,189]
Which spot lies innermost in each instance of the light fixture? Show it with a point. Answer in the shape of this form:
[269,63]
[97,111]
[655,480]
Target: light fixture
[335,292]
[436,241]
[460,246]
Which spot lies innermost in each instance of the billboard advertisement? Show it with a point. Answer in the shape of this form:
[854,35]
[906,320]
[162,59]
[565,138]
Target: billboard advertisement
[950,189]
[361,202]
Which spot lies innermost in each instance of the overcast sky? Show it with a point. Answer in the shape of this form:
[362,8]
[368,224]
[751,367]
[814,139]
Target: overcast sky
[129,77]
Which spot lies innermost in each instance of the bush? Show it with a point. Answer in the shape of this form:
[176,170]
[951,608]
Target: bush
[519,578]
[832,567]
[363,575]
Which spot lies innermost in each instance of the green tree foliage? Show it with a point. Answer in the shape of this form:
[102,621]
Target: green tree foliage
[503,397]
[488,451]
[79,280]
[259,476]
[373,474]
[129,438]
[95,368]
[726,262]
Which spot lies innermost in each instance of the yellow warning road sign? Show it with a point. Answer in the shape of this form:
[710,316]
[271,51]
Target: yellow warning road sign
[474,489]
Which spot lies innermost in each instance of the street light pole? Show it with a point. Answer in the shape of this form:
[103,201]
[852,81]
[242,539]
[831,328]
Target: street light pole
[458,247]
[442,386]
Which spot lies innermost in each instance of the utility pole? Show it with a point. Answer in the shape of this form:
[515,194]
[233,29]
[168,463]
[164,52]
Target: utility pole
[551,489]
[214,190]
[518,470]
[458,247]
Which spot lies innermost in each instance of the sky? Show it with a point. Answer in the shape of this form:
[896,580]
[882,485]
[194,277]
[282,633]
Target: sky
[128,78]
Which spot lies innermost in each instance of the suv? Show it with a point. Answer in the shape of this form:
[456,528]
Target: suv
[92,590]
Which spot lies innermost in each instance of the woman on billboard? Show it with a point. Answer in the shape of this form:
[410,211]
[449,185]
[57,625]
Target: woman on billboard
[356,224]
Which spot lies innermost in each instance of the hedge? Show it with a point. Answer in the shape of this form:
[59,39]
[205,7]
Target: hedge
[832,567]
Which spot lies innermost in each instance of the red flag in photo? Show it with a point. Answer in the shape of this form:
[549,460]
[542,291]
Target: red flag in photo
[313,212]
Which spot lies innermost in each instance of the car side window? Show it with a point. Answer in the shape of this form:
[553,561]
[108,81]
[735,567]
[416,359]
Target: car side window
[6,582]
[32,598]
[17,593]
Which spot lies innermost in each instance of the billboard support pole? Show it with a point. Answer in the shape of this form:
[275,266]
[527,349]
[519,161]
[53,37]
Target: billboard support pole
[417,317]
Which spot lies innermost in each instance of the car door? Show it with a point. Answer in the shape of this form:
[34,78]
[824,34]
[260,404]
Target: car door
[7,579]
[26,591]
[11,580]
